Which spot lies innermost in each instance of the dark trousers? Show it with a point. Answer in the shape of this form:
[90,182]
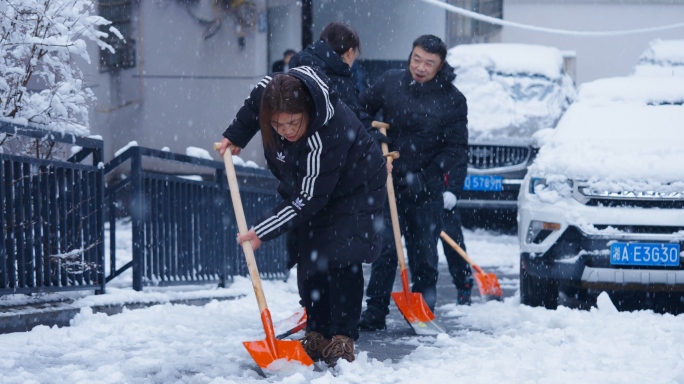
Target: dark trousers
[458,267]
[333,300]
[420,221]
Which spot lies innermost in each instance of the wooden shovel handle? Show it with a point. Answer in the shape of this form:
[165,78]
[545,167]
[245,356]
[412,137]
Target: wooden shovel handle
[242,227]
[382,127]
[460,251]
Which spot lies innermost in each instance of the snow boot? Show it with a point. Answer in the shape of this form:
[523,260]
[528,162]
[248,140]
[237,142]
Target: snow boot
[314,343]
[339,347]
[372,320]
[463,297]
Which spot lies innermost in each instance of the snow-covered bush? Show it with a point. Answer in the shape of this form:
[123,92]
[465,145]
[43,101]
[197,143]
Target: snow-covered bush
[40,83]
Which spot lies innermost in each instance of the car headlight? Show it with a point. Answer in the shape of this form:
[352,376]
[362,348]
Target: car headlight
[535,182]
[538,231]
[560,185]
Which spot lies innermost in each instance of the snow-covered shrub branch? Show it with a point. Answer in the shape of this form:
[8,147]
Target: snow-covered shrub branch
[39,81]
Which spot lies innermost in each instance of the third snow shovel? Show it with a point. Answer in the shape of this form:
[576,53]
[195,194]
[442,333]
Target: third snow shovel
[487,283]
[264,352]
[411,304]
[291,325]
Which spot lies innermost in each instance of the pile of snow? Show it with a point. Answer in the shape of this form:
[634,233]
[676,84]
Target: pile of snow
[661,58]
[622,134]
[200,153]
[124,148]
[513,90]
[237,160]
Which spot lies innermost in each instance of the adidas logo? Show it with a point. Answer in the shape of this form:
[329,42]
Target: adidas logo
[298,203]
[280,156]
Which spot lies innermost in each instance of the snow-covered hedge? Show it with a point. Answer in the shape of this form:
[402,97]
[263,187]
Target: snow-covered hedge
[39,81]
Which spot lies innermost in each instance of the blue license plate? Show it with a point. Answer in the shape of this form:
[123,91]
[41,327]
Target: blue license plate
[483,183]
[657,254]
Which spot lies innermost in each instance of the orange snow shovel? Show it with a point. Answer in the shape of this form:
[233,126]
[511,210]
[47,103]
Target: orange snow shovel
[411,304]
[264,352]
[487,283]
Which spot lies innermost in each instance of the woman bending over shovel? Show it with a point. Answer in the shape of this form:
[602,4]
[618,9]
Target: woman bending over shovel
[332,181]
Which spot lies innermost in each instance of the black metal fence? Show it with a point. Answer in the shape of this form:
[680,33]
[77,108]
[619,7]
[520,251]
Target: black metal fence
[183,224]
[52,220]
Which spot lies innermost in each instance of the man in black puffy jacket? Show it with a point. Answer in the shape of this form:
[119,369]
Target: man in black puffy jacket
[428,127]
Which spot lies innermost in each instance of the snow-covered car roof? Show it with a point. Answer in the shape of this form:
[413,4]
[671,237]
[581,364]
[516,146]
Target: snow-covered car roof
[658,90]
[664,52]
[661,58]
[617,143]
[513,90]
[511,59]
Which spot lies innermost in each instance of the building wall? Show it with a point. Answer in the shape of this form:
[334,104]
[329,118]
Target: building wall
[284,28]
[597,57]
[184,89]
[386,28]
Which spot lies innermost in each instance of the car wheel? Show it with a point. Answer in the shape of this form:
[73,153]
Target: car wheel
[537,291]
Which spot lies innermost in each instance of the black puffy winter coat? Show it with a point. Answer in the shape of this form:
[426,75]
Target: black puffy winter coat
[319,54]
[332,181]
[456,179]
[428,122]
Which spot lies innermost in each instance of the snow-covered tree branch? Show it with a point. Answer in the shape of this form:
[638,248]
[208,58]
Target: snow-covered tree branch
[39,81]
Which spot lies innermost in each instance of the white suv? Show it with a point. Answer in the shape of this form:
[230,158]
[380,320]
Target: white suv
[602,206]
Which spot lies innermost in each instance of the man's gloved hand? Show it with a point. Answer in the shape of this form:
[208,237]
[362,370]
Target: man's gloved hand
[449,200]
[378,136]
[412,183]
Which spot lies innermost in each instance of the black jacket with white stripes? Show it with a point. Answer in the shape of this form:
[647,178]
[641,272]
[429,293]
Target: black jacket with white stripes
[333,175]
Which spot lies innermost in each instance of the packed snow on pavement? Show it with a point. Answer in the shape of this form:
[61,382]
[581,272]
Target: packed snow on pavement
[499,341]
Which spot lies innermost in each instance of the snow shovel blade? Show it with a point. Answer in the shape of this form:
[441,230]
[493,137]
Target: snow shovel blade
[415,310]
[291,325]
[487,283]
[489,286]
[264,355]
[417,313]
[265,352]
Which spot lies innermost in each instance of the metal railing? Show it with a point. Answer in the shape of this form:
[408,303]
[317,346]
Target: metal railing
[52,220]
[183,224]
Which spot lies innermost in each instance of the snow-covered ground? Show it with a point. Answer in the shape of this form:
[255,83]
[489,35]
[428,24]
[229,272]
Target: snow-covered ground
[499,342]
